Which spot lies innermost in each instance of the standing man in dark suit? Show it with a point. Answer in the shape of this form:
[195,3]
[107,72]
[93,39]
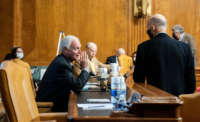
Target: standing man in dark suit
[165,63]
[59,78]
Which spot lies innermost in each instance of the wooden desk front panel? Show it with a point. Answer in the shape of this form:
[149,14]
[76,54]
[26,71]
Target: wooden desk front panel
[197,73]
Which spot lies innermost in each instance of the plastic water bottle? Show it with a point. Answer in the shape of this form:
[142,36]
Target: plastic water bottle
[115,91]
[122,95]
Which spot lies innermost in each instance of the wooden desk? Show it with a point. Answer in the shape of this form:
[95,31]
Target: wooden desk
[197,74]
[76,113]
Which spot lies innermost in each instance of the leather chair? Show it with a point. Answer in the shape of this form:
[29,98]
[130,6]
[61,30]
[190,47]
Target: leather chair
[18,97]
[43,106]
[2,112]
[190,109]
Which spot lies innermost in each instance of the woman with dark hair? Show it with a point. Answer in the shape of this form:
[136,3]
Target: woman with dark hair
[16,55]
[17,52]
[8,57]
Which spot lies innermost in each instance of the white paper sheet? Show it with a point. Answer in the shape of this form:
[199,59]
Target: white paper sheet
[92,83]
[107,106]
[98,100]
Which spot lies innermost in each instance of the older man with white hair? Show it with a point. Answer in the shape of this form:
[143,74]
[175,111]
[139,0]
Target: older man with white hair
[59,78]
[165,62]
[114,58]
[94,63]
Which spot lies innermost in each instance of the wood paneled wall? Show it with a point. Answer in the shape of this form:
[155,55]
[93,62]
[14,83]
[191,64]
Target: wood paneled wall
[6,27]
[35,24]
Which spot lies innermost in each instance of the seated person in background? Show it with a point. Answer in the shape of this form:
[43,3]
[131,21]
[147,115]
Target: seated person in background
[16,52]
[114,59]
[93,62]
[125,63]
[59,79]
[16,55]
[179,34]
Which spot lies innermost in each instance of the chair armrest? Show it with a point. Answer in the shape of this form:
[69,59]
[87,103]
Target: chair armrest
[38,120]
[44,107]
[59,117]
[44,104]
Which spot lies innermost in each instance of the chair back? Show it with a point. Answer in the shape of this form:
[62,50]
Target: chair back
[27,67]
[17,93]
[125,63]
[190,109]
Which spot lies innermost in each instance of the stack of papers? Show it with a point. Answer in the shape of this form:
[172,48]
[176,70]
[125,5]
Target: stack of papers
[107,106]
[98,100]
[90,85]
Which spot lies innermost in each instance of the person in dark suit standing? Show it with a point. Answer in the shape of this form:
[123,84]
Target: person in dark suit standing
[114,58]
[59,79]
[165,62]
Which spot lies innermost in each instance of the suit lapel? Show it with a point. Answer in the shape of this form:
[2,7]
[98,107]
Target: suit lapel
[68,63]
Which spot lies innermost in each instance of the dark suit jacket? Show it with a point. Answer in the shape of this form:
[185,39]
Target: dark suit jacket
[167,64]
[111,59]
[58,81]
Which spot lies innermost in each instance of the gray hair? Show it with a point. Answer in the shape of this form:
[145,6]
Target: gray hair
[178,28]
[91,44]
[159,21]
[66,42]
[121,51]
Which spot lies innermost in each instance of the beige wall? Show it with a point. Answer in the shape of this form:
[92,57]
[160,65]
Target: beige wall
[35,24]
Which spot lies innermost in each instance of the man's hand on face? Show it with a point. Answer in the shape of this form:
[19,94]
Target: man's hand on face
[83,60]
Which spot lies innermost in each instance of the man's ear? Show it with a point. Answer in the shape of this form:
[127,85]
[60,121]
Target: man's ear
[178,35]
[153,27]
[65,49]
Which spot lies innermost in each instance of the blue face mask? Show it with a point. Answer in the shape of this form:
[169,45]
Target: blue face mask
[20,55]
[149,34]
[174,36]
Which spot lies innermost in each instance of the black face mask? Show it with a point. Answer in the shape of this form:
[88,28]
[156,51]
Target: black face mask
[149,34]
[174,36]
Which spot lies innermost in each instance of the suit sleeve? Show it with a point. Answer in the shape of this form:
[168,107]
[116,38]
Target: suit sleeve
[67,78]
[101,64]
[139,70]
[190,80]
[108,60]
